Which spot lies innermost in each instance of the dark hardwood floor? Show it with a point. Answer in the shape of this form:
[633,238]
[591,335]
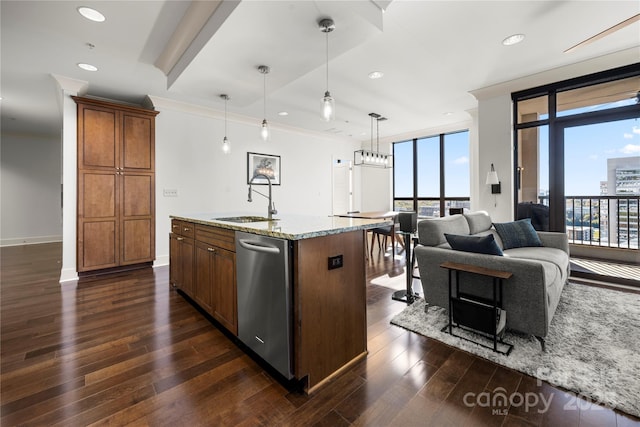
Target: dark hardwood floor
[125,349]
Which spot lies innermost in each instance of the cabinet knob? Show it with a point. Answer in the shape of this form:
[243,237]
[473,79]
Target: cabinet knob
[186,229]
[174,226]
[179,239]
[211,249]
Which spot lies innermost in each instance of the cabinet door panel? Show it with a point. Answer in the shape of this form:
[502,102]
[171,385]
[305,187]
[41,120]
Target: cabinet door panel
[204,276]
[136,241]
[98,144]
[187,253]
[97,194]
[174,257]
[97,249]
[137,195]
[137,142]
[225,292]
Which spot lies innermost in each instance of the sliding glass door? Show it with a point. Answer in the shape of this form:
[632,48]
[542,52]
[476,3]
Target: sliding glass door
[602,183]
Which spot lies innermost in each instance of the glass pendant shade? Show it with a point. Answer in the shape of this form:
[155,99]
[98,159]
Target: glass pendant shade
[328,107]
[265,134]
[226,146]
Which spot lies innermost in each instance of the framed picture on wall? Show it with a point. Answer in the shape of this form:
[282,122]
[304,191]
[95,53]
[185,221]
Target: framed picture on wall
[261,165]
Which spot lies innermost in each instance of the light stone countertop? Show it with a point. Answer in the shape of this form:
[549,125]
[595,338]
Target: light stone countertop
[290,227]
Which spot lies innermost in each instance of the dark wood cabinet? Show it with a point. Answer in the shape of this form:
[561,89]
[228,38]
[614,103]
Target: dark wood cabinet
[216,287]
[205,272]
[182,257]
[202,263]
[116,185]
[225,308]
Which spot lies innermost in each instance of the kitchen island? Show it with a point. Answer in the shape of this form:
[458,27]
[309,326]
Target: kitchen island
[326,303]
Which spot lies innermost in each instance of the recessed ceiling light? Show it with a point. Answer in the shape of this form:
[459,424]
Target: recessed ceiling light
[283,113]
[448,113]
[87,67]
[376,75]
[513,39]
[91,14]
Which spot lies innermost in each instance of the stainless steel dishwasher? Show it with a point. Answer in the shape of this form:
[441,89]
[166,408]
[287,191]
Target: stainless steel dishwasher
[265,298]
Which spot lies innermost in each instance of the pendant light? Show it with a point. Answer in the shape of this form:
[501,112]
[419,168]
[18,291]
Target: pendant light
[328,103]
[226,146]
[264,130]
[373,157]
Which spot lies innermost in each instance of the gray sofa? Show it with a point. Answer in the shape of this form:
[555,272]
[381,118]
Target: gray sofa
[531,295]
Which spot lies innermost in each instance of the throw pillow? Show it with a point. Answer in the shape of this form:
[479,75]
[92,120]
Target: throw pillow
[517,234]
[481,245]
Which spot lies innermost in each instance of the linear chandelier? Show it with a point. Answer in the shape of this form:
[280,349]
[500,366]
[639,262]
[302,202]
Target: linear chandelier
[373,158]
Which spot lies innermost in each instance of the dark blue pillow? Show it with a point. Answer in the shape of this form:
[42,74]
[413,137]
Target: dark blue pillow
[481,245]
[517,234]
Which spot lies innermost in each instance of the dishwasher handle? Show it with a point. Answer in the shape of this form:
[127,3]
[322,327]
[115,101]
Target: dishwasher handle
[258,246]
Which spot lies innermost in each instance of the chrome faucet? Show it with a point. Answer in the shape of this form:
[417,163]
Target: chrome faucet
[271,209]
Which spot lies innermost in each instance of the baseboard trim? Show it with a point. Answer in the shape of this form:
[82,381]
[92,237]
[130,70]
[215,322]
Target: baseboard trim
[161,261]
[68,275]
[19,241]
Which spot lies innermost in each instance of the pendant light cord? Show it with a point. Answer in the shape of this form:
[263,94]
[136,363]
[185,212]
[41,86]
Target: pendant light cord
[377,135]
[327,33]
[225,115]
[372,133]
[264,88]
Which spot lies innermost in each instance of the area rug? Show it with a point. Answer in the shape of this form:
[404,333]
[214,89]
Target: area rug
[593,346]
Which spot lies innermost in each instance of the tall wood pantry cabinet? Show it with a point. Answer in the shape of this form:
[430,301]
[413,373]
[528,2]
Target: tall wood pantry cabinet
[116,185]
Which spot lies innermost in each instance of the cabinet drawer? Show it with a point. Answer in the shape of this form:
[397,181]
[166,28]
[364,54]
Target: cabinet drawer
[215,236]
[182,228]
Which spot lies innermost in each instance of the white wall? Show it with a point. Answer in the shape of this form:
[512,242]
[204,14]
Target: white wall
[30,170]
[189,160]
[377,189]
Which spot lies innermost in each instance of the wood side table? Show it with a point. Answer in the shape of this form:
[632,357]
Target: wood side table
[484,317]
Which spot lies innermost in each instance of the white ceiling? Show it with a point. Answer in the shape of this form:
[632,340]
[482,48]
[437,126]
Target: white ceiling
[432,53]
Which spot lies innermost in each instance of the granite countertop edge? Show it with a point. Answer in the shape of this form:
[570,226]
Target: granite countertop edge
[259,227]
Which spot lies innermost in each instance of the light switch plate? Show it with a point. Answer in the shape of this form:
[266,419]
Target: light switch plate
[170,192]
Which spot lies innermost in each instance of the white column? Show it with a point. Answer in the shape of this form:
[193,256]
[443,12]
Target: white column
[495,145]
[66,88]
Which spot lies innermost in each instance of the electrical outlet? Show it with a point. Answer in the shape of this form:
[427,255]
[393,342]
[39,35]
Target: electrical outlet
[335,262]
[170,192]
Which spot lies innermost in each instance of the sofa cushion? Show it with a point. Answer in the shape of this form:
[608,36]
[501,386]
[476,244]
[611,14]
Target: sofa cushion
[517,234]
[431,230]
[478,221]
[478,244]
[551,255]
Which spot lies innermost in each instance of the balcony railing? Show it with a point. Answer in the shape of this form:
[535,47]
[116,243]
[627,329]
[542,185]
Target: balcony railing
[606,221]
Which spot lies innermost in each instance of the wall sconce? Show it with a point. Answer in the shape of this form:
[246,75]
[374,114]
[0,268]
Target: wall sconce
[492,179]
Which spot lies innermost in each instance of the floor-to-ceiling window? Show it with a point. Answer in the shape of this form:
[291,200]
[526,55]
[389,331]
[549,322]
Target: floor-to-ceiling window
[431,174]
[578,156]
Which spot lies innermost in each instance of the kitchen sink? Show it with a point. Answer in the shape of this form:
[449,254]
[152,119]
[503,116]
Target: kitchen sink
[244,219]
